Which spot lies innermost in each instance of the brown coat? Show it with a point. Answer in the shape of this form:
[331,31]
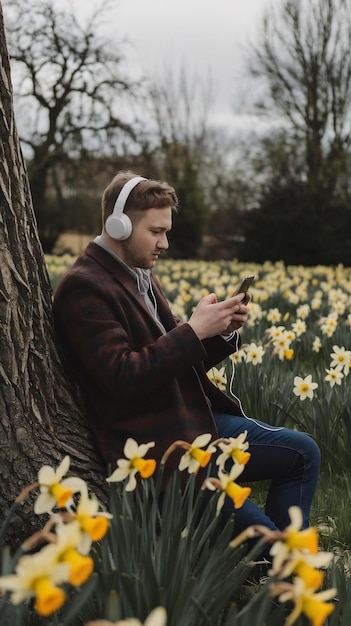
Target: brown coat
[136,381]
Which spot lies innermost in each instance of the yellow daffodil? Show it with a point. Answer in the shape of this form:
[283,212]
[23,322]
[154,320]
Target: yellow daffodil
[195,457]
[37,576]
[292,539]
[228,487]
[53,490]
[133,464]
[93,523]
[234,448]
[313,605]
[304,387]
[304,565]
[68,541]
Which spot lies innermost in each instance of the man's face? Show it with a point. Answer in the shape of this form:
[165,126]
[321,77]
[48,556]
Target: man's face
[148,238]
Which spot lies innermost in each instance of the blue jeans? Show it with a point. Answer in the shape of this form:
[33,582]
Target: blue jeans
[288,458]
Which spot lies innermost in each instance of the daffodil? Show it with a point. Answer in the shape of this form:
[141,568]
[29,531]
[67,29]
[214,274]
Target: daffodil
[68,541]
[303,311]
[228,487]
[195,457]
[93,523]
[293,538]
[313,605]
[304,565]
[218,377]
[238,356]
[234,448]
[254,353]
[157,617]
[274,315]
[329,324]
[304,387]
[341,359]
[134,463]
[299,327]
[53,490]
[281,346]
[316,345]
[38,576]
[334,377]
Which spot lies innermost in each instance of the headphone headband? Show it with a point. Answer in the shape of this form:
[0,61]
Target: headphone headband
[125,192]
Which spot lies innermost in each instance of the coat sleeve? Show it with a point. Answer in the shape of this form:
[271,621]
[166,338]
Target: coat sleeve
[106,340]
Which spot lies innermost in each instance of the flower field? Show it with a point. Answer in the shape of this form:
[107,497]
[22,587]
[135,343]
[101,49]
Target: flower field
[165,564]
[293,369]
[294,363]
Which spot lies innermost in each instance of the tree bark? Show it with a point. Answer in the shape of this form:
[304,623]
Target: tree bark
[40,420]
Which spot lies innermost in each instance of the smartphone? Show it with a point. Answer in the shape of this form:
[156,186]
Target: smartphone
[244,285]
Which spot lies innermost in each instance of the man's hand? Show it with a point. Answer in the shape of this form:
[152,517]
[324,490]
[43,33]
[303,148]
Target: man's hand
[212,318]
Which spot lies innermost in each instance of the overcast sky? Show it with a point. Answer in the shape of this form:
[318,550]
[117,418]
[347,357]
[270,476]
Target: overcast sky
[208,37]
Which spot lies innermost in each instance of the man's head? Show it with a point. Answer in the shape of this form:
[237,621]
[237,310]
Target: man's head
[137,232]
[147,194]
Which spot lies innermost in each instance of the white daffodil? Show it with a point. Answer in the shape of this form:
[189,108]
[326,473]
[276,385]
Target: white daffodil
[274,315]
[316,345]
[299,327]
[195,457]
[333,377]
[227,485]
[341,359]
[254,353]
[157,617]
[304,387]
[53,490]
[218,377]
[274,332]
[234,448]
[303,311]
[133,464]
[37,576]
[281,346]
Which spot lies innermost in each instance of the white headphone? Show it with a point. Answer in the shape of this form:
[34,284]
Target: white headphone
[118,225]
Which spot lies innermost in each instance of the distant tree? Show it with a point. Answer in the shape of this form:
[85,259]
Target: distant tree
[40,416]
[177,150]
[303,63]
[298,227]
[69,86]
[304,56]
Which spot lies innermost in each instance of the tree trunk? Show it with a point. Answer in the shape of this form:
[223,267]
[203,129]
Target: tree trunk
[40,421]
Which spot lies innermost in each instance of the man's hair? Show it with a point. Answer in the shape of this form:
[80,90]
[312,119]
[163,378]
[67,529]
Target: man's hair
[148,194]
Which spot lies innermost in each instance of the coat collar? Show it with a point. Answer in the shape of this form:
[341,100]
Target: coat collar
[128,281]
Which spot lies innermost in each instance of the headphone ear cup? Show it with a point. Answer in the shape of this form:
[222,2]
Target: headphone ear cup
[119,227]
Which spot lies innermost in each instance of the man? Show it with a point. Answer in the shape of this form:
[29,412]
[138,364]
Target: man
[142,373]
